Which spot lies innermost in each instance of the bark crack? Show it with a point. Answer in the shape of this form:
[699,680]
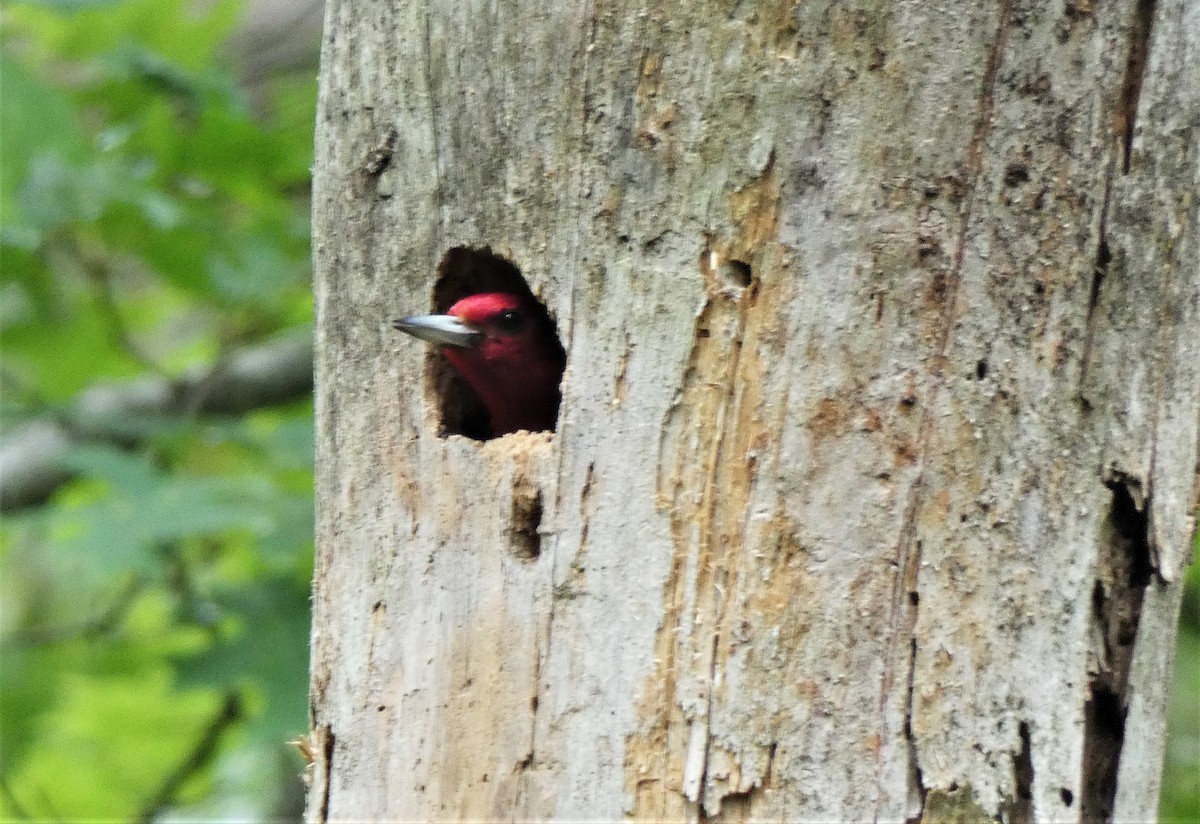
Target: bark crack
[1135,73]
[707,469]
[525,765]
[438,193]
[908,551]
[1020,806]
[1099,273]
[583,186]
[324,769]
[1124,124]
[916,778]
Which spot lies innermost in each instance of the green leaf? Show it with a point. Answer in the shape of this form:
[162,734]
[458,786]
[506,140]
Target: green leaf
[85,771]
[36,120]
[142,509]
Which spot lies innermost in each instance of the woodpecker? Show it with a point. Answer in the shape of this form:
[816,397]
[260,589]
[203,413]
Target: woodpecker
[506,349]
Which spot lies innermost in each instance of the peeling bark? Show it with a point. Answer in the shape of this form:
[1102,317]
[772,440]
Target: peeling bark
[872,481]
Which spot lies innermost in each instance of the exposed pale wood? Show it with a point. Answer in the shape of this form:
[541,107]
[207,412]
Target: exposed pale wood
[872,486]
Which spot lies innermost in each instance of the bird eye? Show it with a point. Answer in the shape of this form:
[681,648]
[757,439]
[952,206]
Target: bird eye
[510,321]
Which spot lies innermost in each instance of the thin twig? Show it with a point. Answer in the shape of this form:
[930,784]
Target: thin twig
[200,756]
[99,270]
[91,627]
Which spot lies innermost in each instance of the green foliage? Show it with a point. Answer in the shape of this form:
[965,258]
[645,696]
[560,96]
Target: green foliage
[155,611]
[1181,774]
[132,166]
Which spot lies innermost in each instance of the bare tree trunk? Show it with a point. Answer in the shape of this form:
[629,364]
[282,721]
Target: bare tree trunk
[871,487]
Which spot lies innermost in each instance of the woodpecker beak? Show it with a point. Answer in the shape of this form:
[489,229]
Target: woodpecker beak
[445,330]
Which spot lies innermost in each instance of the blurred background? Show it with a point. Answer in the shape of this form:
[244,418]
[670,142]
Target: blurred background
[156,415]
[155,393]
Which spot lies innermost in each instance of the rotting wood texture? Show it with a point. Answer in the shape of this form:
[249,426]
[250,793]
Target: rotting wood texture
[872,483]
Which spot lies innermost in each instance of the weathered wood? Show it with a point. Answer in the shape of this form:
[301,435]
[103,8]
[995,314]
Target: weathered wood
[871,487]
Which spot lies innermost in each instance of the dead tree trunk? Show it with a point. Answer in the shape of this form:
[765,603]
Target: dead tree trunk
[870,491]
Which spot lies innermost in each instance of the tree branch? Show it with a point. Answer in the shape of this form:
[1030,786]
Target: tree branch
[268,374]
[94,626]
[99,270]
[229,712]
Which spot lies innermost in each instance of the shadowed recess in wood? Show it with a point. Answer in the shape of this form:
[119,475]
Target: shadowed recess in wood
[1124,571]
[526,519]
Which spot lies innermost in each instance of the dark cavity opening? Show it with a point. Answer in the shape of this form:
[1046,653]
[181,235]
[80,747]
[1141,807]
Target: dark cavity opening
[463,272]
[738,273]
[1125,570]
[1131,523]
[1103,737]
[1015,174]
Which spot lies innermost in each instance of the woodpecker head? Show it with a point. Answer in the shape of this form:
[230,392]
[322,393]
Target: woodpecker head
[505,348]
